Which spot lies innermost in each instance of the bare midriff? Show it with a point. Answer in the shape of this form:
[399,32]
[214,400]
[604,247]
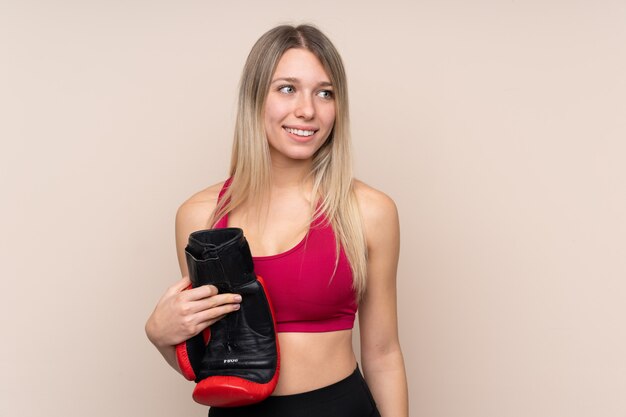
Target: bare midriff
[313,360]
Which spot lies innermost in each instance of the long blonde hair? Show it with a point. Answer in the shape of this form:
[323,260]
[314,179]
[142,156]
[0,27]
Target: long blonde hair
[250,168]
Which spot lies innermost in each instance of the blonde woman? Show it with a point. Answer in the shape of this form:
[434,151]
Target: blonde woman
[325,243]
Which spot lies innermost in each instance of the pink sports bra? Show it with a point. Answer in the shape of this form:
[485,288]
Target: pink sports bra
[303,295]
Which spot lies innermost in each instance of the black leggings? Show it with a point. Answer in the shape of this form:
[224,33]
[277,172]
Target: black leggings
[349,397]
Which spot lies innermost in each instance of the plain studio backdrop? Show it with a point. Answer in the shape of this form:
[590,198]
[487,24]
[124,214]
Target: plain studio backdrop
[498,127]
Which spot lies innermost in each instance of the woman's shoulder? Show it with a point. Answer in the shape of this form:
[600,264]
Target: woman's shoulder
[380,217]
[376,207]
[194,213]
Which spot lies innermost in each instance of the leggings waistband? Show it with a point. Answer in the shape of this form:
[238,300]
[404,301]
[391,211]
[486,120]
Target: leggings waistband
[345,386]
[348,397]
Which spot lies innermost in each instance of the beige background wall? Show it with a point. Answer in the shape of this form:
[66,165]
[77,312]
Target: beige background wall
[497,126]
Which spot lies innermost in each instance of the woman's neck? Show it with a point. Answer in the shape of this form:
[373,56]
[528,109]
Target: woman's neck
[290,173]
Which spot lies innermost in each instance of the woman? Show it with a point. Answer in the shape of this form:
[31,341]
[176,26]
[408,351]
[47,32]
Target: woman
[291,190]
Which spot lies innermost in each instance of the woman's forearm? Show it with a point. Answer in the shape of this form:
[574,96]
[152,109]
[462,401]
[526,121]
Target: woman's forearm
[386,378]
[168,352]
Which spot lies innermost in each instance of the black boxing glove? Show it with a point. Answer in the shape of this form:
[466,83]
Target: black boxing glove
[236,360]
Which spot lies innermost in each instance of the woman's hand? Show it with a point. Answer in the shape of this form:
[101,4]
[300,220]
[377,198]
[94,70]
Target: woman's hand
[181,314]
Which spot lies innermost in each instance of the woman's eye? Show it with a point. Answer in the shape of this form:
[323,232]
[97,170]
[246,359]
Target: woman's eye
[287,89]
[326,94]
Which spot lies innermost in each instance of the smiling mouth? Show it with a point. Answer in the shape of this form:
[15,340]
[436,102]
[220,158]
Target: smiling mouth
[299,132]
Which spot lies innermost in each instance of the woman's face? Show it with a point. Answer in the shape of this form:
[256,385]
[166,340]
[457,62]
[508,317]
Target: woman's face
[299,108]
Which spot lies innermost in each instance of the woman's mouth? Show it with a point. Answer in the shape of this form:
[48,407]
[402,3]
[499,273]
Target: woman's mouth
[299,132]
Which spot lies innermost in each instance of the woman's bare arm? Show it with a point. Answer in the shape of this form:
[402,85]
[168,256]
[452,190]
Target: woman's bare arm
[180,313]
[381,355]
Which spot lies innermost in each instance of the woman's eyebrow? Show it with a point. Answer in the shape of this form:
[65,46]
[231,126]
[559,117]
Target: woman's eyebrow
[288,79]
[296,81]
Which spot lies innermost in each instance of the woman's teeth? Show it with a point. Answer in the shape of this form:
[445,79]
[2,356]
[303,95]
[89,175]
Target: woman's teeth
[300,132]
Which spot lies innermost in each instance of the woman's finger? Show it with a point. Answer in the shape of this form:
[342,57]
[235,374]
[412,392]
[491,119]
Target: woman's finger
[212,315]
[212,302]
[199,293]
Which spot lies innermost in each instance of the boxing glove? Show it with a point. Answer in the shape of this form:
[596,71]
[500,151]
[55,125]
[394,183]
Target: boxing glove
[236,360]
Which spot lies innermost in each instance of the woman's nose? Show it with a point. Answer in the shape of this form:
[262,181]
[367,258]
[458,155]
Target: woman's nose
[305,108]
